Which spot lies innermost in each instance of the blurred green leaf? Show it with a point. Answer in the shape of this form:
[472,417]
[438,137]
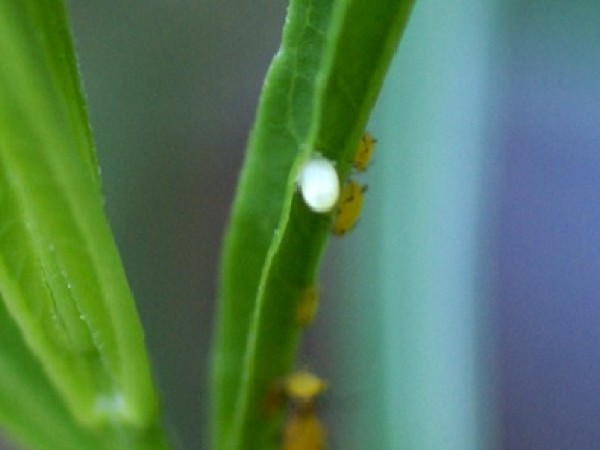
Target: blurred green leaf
[317,98]
[61,278]
[30,410]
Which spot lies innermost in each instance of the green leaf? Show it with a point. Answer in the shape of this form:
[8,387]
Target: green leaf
[30,410]
[61,278]
[317,98]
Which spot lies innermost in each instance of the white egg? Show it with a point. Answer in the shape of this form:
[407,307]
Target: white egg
[319,184]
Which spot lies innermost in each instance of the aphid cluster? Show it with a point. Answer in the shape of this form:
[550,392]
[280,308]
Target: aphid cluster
[319,185]
[303,429]
[350,201]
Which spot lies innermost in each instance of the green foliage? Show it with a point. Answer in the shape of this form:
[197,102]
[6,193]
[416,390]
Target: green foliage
[30,410]
[317,97]
[76,336]
[73,367]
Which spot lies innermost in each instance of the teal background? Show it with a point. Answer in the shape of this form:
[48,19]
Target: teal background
[462,312]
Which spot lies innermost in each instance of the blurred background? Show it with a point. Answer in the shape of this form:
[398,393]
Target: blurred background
[464,310]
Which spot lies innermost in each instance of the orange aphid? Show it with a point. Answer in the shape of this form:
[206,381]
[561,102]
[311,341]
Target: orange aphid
[303,430]
[364,152]
[307,306]
[303,387]
[348,208]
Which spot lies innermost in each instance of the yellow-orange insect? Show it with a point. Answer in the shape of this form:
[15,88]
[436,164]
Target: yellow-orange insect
[303,430]
[348,208]
[307,306]
[364,152]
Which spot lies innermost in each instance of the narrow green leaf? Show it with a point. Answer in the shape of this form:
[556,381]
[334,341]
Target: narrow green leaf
[61,278]
[283,121]
[317,98]
[30,410]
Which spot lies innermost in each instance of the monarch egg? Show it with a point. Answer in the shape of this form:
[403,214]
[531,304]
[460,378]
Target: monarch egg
[319,184]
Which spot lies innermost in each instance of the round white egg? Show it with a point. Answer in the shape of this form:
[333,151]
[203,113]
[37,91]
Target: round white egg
[319,184]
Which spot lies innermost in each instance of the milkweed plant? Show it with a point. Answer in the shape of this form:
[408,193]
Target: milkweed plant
[74,370]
